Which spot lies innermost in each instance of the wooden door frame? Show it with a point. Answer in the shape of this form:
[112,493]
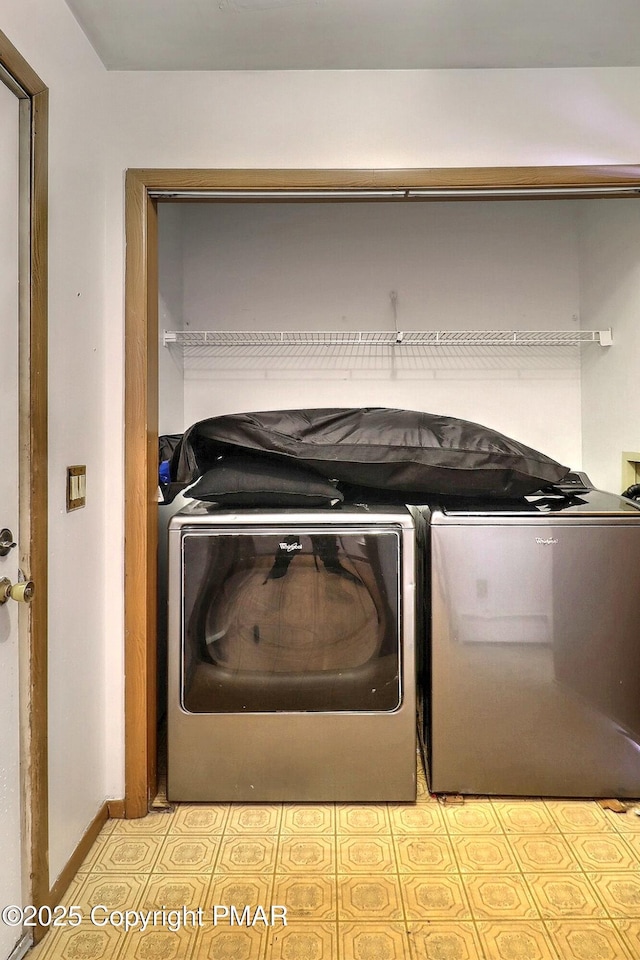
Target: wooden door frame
[33,466]
[145,188]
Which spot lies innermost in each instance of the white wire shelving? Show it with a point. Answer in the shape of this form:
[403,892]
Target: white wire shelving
[384,338]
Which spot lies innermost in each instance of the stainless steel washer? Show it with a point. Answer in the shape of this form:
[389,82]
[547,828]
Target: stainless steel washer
[535,647]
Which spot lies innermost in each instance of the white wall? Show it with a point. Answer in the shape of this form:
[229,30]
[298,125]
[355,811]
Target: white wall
[350,119]
[342,266]
[401,118]
[333,265]
[170,317]
[47,35]
[610,293]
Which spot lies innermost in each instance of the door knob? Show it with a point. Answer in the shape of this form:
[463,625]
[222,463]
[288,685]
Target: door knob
[21,592]
[6,541]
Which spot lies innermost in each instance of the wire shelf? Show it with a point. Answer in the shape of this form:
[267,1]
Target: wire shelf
[384,338]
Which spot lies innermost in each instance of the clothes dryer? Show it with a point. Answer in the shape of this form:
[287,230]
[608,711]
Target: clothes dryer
[291,654]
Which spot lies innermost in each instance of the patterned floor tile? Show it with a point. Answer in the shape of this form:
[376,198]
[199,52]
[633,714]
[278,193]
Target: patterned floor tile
[85,942]
[127,855]
[629,930]
[187,855]
[72,892]
[160,943]
[174,891]
[587,940]
[500,896]
[537,853]
[438,897]
[306,897]
[369,898]
[471,818]
[632,839]
[564,895]
[96,851]
[619,892]
[480,879]
[596,853]
[360,854]
[516,940]
[444,941]
[306,854]
[316,819]
[422,792]
[628,822]
[254,818]
[308,941]
[486,853]
[522,816]
[366,819]
[117,891]
[109,825]
[201,819]
[223,942]
[580,816]
[154,824]
[238,890]
[416,818]
[247,855]
[424,854]
[373,941]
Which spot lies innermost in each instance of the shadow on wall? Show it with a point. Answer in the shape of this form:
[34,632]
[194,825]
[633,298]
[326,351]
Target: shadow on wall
[206,362]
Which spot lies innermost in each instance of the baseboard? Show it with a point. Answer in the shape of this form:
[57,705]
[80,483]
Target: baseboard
[21,949]
[63,882]
[116,809]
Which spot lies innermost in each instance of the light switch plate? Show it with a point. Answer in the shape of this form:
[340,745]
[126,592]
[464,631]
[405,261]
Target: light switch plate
[76,487]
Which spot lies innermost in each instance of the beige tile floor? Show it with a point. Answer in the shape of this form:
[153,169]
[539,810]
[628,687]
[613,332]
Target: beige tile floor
[486,879]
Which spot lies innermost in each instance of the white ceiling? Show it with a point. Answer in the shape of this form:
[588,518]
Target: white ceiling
[360,34]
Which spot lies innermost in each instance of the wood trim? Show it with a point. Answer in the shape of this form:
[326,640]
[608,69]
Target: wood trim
[480,178]
[38,542]
[74,862]
[116,809]
[141,413]
[152,486]
[140,525]
[34,137]
[15,64]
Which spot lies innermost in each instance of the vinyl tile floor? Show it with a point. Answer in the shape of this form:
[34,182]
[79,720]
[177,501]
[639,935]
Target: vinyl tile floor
[484,879]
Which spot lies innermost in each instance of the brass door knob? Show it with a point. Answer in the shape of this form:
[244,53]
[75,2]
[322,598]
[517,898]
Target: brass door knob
[21,592]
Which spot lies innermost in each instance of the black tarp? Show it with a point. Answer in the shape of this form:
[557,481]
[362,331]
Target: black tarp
[379,447]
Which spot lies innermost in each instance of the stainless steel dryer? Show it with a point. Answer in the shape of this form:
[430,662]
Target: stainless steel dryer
[535,647]
[291,655]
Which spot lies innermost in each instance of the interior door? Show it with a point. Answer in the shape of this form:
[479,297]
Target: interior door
[10,776]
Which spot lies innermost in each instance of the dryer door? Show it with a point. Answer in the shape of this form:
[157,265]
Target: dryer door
[292,619]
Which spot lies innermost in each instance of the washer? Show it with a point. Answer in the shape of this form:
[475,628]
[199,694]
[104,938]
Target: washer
[535,647]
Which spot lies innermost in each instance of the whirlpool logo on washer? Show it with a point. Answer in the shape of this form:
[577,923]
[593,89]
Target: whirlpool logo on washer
[546,541]
[289,547]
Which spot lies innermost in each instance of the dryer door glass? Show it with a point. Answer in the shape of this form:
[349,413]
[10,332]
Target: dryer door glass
[296,619]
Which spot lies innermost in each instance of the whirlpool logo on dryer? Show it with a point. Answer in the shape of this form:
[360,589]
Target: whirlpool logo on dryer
[545,541]
[288,547]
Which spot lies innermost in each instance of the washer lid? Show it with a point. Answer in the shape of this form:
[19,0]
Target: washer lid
[591,503]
